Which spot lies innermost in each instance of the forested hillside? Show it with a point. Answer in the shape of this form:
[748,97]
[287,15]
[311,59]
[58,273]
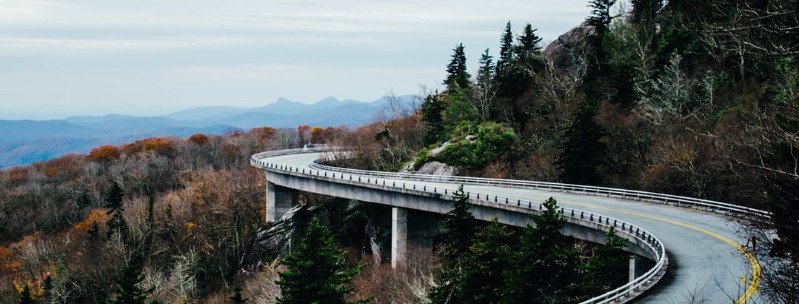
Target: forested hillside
[696,98]
[174,213]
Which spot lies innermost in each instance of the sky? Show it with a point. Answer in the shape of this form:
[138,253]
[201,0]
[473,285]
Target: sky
[61,58]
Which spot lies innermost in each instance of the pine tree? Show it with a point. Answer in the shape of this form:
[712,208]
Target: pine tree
[48,286]
[485,75]
[456,69]
[25,296]
[459,109]
[600,19]
[316,272]
[645,11]
[607,269]
[432,109]
[459,226]
[600,15]
[505,50]
[236,298]
[582,155]
[528,44]
[545,265]
[488,265]
[126,287]
[116,223]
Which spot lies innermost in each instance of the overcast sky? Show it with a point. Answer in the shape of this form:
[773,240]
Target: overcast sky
[61,58]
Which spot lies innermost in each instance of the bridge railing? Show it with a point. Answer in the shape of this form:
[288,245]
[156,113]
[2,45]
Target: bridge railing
[681,201]
[643,238]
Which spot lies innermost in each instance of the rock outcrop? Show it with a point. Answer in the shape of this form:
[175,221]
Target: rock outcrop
[275,241]
[570,48]
[438,168]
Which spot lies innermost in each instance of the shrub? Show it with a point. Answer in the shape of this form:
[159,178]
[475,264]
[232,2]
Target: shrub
[422,157]
[493,140]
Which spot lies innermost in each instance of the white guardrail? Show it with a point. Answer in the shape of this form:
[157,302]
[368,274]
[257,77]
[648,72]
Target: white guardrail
[621,294]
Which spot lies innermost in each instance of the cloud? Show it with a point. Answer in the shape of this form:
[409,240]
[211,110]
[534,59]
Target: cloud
[116,44]
[154,53]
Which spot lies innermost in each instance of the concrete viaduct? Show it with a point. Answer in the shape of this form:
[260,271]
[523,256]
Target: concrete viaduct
[704,260]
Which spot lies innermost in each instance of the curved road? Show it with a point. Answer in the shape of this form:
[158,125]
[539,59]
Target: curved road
[706,264]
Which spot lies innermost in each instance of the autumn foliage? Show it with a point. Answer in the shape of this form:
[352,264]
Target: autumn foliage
[199,139]
[190,206]
[160,146]
[103,153]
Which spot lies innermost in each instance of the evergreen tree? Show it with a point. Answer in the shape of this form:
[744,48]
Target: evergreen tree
[600,19]
[126,287]
[459,226]
[236,298]
[432,109]
[316,272]
[116,223]
[683,31]
[25,296]
[582,155]
[608,267]
[459,109]
[528,44]
[505,49]
[47,287]
[488,265]
[507,75]
[485,75]
[545,264]
[600,15]
[645,11]
[456,69]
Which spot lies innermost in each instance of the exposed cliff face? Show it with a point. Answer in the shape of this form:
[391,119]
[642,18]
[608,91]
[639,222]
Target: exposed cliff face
[275,241]
[569,49]
[367,227]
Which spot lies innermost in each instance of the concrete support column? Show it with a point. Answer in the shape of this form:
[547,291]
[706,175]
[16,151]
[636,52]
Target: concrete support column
[632,268]
[399,236]
[279,200]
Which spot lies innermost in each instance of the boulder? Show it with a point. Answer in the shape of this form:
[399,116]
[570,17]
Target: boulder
[438,168]
[569,49]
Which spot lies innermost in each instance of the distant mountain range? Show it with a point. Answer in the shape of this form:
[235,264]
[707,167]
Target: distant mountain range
[23,142]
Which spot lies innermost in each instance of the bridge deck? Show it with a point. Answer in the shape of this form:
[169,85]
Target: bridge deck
[705,264]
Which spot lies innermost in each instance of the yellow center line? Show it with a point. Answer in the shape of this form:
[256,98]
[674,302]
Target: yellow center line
[753,285]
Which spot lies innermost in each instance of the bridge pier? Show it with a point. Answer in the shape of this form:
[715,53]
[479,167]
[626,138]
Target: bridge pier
[399,236]
[639,265]
[279,200]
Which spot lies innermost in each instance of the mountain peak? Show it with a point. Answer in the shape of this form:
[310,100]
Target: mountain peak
[283,100]
[328,100]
